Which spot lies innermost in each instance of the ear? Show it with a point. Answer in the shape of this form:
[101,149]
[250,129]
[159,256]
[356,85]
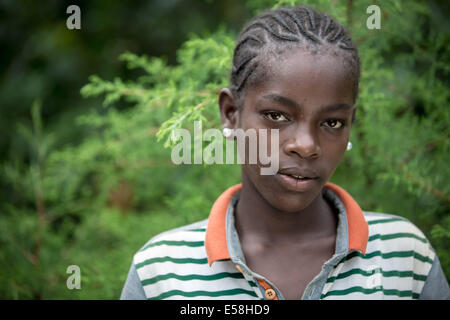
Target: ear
[229,111]
[354,112]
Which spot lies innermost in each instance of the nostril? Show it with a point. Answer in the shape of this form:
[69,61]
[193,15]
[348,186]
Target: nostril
[306,152]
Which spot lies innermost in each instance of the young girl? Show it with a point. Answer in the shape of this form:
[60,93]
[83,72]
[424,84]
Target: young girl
[291,235]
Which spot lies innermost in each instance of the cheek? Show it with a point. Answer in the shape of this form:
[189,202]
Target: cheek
[333,150]
[269,190]
[334,147]
[250,147]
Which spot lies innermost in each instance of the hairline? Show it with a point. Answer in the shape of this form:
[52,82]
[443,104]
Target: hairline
[274,54]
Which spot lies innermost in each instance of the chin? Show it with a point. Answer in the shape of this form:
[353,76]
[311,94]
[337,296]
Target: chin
[281,196]
[290,202]
[286,200]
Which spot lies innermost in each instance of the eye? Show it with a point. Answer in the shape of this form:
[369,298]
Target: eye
[275,116]
[334,123]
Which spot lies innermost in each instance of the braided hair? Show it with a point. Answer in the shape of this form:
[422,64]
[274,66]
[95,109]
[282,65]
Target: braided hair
[273,32]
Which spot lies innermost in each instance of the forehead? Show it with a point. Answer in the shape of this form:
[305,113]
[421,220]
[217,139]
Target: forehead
[321,78]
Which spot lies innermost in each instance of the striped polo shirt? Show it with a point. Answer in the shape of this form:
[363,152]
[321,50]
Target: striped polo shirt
[377,256]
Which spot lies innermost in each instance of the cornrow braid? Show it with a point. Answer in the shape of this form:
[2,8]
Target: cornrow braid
[281,28]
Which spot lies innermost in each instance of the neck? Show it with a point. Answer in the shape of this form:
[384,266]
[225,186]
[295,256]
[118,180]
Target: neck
[260,219]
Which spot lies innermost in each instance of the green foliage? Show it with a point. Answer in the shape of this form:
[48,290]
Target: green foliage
[95,203]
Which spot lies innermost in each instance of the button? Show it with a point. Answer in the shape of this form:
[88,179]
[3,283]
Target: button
[270,294]
[238,267]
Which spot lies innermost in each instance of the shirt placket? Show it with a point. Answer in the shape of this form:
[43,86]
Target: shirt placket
[264,288]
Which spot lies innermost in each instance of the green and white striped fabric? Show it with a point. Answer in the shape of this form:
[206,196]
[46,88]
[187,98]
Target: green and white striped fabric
[398,259]
[396,264]
[399,263]
[174,265]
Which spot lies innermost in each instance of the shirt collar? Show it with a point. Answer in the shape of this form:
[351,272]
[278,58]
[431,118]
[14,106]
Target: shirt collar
[216,233]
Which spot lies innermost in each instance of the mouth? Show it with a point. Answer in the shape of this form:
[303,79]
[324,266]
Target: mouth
[299,177]
[297,180]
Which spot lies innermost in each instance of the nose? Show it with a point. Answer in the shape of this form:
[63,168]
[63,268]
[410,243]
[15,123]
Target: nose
[303,143]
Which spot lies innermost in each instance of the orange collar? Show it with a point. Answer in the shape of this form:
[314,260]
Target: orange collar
[216,241]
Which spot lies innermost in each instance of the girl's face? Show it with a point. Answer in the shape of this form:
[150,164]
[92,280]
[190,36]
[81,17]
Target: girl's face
[309,98]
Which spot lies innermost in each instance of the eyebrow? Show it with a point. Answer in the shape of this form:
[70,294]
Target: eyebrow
[292,104]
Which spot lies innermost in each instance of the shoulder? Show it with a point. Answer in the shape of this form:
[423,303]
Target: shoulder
[170,257]
[178,245]
[396,236]
[382,224]
[187,232]
[397,263]
[402,251]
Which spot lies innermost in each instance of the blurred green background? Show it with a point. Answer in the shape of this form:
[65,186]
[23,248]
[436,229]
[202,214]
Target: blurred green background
[85,178]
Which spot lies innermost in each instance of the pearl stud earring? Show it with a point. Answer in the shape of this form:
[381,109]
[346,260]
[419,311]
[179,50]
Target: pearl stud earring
[227,132]
[349,146]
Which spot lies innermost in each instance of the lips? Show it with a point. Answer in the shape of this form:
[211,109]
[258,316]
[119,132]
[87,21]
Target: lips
[299,172]
[297,179]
